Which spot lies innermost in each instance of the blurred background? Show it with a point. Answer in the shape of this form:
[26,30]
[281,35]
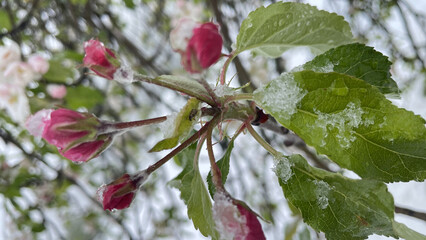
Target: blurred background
[45,196]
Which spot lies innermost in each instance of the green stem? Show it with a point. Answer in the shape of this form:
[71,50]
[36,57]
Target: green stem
[225,68]
[216,174]
[262,141]
[241,96]
[185,144]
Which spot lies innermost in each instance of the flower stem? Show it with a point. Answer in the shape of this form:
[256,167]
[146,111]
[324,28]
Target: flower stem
[216,174]
[133,124]
[261,141]
[225,68]
[185,144]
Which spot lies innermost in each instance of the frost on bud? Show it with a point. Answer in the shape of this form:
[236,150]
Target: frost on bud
[100,59]
[234,220]
[75,134]
[200,45]
[119,194]
[56,91]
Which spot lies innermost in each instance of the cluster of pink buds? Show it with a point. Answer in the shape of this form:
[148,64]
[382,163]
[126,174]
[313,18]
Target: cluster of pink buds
[200,45]
[77,135]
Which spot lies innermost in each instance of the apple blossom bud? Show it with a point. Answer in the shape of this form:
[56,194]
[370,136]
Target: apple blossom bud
[38,64]
[119,194]
[234,220]
[75,134]
[204,47]
[100,59]
[200,45]
[56,91]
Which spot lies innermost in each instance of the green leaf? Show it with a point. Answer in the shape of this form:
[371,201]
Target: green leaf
[185,85]
[5,20]
[194,193]
[129,4]
[342,208]
[272,30]
[405,232]
[351,122]
[58,72]
[182,125]
[82,96]
[223,165]
[359,61]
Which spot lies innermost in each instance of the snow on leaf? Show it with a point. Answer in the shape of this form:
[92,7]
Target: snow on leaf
[352,123]
[340,207]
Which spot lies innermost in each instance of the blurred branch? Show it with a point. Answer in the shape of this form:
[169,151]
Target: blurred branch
[411,213]
[23,24]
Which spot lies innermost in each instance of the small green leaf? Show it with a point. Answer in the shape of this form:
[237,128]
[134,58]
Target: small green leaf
[5,20]
[351,122]
[340,207]
[194,193]
[223,165]
[182,126]
[185,85]
[129,4]
[272,30]
[82,96]
[359,61]
[58,72]
[405,232]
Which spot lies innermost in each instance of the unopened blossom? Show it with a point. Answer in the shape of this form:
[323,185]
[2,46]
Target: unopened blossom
[119,194]
[234,220]
[38,64]
[56,91]
[100,59]
[200,45]
[75,134]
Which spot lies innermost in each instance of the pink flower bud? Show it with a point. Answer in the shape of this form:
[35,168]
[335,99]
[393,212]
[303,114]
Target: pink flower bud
[75,134]
[38,64]
[119,194]
[234,220]
[200,45]
[204,48]
[100,59]
[56,91]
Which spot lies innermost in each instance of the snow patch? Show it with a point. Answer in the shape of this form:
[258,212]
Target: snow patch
[229,222]
[124,75]
[282,168]
[322,192]
[282,95]
[223,90]
[342,123]
[168,127]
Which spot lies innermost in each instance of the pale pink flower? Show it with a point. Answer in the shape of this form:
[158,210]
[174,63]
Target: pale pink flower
[8,54]
[35,123]
[38,64]
[19,73]
[56,91]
